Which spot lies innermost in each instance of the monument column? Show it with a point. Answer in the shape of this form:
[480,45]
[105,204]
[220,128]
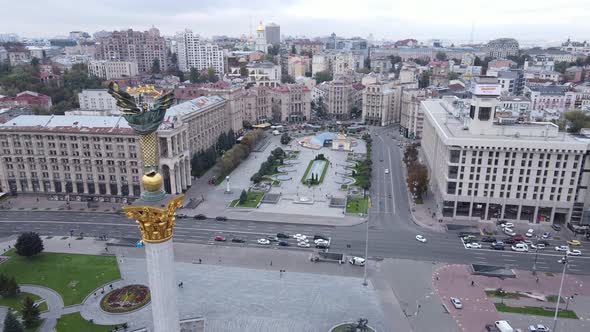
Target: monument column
[154,211]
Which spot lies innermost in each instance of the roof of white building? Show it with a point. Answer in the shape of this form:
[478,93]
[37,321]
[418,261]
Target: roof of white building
[192,106]
[68,123]
[451,127]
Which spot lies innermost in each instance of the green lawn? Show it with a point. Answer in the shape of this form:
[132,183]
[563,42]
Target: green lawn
[252,201]
[553,298]
[72,276]
[538,311]
[507,295]
[357,205]
[75,322]
[35,327]
[17,302]
[9,252]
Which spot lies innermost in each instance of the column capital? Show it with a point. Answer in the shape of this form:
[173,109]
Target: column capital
[155,224]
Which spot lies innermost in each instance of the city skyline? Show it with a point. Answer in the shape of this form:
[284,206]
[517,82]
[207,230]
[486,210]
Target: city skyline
[538,22]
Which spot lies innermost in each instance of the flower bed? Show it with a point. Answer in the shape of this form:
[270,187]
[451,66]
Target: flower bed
[126,299]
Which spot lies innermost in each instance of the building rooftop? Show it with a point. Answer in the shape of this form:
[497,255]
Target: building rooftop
[514,98]
[192,106]
[555,90]
[451,122]
[68,123]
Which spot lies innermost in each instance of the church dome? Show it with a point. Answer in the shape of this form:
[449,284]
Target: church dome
[260,27]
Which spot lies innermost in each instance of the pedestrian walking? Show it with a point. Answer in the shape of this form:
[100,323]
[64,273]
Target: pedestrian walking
[537,280]
[106,249]
[199,261]
[270,263]
[69,245]
[472,283]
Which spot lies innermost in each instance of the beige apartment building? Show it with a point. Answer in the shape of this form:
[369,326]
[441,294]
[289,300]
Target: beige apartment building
[110,70]
[339,99]
[411,115]
[97,158]
[291,103]
[381,103]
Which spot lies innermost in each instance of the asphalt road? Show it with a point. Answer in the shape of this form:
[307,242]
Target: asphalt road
[391,232]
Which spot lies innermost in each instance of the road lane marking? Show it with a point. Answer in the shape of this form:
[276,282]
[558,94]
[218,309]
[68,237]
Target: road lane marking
[391,179]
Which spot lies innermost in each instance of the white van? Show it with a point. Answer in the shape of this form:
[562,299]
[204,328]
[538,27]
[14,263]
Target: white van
[276,132]
[504,326]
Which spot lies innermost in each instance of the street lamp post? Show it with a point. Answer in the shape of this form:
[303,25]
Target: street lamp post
[564,261]
[366,251]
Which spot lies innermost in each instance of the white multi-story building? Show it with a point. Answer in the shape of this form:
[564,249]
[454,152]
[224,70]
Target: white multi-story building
[291,103]
[97,100]
[543,75]
[319,63]
[576,47]
[550,97]
[502,47]
[487,169]
[192,53]
[519,106]
[264,74]
[110,70]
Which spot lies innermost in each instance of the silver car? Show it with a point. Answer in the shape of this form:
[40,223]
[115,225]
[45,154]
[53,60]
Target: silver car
[456,303]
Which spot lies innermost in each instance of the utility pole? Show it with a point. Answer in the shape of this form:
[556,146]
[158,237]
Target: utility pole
[564,261]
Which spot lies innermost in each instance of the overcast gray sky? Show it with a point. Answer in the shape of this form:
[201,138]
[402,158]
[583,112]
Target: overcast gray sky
[539,20]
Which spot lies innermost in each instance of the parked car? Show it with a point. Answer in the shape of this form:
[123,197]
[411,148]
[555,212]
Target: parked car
[320,237]
[467,238]
[421,238]
[507,225]
[320,241]
[509,231]
[238,240]
[464,234]
[356,261]
[574,243]
[456,303]
[221,218]
[529,233]
[556,227]
[387,171]
[518,237]
[303,244]
[322,245]
[200,216]
[219,238]
[497,246]
[538,328]
[537,246]
[263,241]
[574,252]
[491,328]
[488,239]
[520,247]
[282,236]
[283,243]
[562,248]
[473,245]
[272,238]
[546,235]
[181,216]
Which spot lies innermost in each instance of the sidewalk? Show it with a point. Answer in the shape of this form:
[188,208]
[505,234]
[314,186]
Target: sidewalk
[26,202]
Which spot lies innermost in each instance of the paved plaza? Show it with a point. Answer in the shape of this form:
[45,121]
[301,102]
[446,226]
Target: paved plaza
[216,200]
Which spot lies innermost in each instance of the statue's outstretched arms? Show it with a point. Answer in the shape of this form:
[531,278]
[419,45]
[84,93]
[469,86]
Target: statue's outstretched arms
[124,100]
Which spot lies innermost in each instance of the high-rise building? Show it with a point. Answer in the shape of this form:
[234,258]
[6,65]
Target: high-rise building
[193,53]
[135,46]
[273,33]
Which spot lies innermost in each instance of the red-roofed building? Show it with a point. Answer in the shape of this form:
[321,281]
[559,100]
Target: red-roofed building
[50,78]
[291,103]
[27,99]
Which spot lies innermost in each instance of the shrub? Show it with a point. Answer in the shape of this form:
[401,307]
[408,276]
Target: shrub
[29,244]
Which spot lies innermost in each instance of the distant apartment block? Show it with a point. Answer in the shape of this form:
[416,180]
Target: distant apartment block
[97,100]
[193,53]
[109,70]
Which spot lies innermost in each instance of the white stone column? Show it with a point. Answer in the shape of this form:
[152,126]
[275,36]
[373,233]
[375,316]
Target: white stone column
[162,283]
[172,172]
[178,180]
[189,178]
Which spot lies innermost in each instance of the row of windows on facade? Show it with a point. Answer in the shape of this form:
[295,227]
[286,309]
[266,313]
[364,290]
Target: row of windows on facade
[68,176]
[16,137]
[69,187]
[454,172]
[74,153]
[43,162]
[455,155]
[51,145]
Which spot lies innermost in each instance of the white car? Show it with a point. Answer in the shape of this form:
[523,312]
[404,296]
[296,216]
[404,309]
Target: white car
[473,245]
[574,252]
[296,236]
[529,233]
[356,261]
[538,328]
[303,244]
[546,235]
[538,246]
[263,241]
[508,224]
[321,242]
[509,231]
[456,303]
[421,238]
[387,171]
[562,248]
[520,247]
